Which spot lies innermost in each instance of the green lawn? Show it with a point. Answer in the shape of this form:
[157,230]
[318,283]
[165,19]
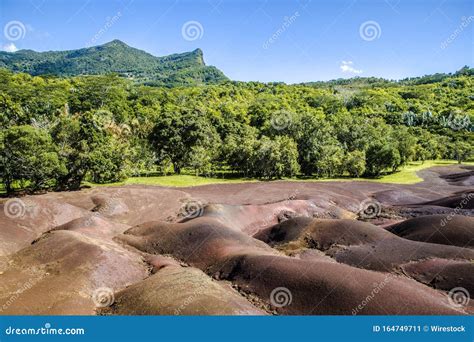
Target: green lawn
[408,174]
[178,181]
[405,176]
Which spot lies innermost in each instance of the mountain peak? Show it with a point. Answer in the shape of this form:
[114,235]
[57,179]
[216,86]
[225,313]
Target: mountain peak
[116,42]
[179,69]
[199,56]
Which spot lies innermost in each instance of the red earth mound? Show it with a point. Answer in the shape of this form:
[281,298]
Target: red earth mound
[61,274]
[94,225]
[366,246]
[316,287]
[460,179]
[386,255]
[176,290]
[442,274]
[462,200]
[323,233]
[23,220]
[200,242]
[251,218]
[452,230]
[255,248]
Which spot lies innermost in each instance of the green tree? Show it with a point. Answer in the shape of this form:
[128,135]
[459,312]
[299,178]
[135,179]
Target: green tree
[107,92]
[106,162]
[176,134]
[354,163]
[275,158]
[28,156]
[421,153]
[239,148]
[88,148]
[380,157]
[329,160]
[462,151]
[314,140]
[405,143]
[200,159]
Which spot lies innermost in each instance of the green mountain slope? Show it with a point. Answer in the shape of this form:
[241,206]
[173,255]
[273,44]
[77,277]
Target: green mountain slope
[116,57]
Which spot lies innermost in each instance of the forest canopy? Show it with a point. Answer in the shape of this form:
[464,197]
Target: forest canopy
[58,132]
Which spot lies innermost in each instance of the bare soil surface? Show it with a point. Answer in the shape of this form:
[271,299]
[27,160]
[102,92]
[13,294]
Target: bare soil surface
[280,247]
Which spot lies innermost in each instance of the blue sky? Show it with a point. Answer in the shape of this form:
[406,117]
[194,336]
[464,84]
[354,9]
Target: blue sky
[290,41]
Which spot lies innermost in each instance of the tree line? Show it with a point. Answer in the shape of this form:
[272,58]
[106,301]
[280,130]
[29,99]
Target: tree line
[59,132]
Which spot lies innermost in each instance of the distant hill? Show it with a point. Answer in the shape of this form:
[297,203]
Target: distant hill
[116,57]
[381,82]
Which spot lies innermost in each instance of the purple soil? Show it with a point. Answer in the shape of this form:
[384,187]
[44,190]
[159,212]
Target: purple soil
[323,233]
[452,230]
[356,243]
[176,290]
[59,273]
[230,255]
[201,242]
[251,218]
[387,255]
[462,178]
[442,274]
[246,241]
[323,288]
[463,200]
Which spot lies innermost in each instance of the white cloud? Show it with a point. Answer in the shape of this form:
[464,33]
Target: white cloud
[9,47]
[347,66]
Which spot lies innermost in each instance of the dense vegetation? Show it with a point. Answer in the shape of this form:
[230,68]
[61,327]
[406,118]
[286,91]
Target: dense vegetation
[58,132]
[117,57]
